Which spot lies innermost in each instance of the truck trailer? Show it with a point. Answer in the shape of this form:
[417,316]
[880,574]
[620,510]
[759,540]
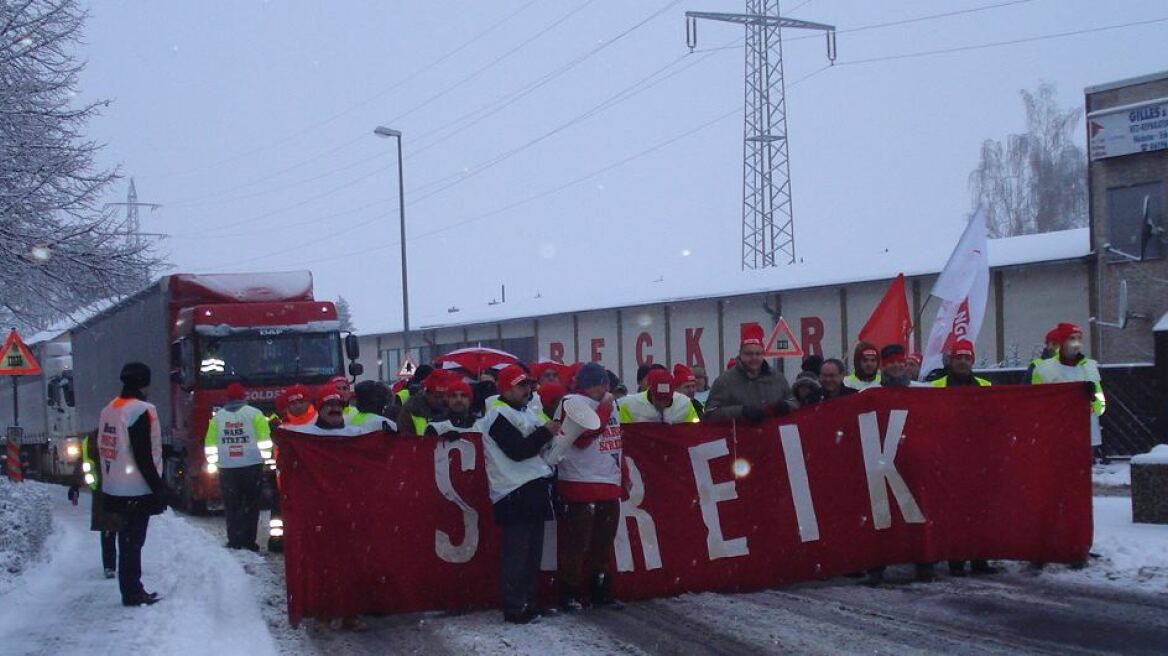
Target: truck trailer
[199,333]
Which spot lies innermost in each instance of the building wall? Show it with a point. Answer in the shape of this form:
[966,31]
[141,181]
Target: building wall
[1148,280]
[1032,299]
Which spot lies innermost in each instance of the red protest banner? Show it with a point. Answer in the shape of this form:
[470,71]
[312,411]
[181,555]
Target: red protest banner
[381,524]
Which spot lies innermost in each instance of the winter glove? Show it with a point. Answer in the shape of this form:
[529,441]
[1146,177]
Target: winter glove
[780,408]
[753,414]
[1089,389]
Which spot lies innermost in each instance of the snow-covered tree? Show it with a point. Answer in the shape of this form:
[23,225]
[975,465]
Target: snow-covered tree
[1036,181]
[58,248]
[345,314]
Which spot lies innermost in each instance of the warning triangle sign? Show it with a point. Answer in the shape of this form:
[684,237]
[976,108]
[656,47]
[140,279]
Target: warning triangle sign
[782,343]
[407,369]
[16,359]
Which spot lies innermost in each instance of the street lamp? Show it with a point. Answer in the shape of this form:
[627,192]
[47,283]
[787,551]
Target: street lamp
[383,131]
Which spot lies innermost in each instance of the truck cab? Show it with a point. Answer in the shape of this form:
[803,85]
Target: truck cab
[266,347]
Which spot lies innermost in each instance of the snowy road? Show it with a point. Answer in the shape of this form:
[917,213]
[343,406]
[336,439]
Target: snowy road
[224,602]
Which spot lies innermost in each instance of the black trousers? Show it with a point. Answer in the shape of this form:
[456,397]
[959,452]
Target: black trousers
[522,549]
[109,549]
[130,541]
[240,488]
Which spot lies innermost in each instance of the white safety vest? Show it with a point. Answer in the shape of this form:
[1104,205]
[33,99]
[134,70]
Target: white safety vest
[600,461]
[238,438]
[504,474]
[120,476]
[446,426]
[637,408]
[1052,370]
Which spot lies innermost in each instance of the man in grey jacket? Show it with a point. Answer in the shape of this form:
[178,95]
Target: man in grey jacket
[750,390]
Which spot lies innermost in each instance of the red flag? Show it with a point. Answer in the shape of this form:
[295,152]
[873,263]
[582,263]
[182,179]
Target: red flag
[891,321]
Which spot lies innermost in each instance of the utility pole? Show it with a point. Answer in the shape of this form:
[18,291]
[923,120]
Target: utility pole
[768,226]
[134,224]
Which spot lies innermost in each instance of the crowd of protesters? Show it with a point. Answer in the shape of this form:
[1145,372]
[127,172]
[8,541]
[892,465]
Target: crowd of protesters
[523,413]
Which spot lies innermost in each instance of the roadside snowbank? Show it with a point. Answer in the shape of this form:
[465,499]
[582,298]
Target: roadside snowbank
[66,606]
[1113,474]
[25,524]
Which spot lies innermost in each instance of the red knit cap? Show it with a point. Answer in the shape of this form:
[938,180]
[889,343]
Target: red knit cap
[296,393]
[659,384]
[512,376]
[752,334]
[1065,330]
[329,394]
[437,382]
[682,375]
[236,392]
[461,386]
[961,347]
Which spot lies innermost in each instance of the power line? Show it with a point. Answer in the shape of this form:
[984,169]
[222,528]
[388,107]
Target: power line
[482,113]
[1010,42]
[380,94]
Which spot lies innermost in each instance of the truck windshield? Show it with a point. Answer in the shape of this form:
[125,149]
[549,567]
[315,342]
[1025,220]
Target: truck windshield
[271,359]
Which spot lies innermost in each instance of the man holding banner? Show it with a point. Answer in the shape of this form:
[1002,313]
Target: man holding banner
[751,389]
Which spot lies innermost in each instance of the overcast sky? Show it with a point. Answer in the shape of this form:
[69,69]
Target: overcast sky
[251,122]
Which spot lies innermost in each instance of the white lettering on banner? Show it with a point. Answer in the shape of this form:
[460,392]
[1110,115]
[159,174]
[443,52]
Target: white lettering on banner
[797,479]
[443,545]
[709,495]
[548,561]
[880,465]
[646,528]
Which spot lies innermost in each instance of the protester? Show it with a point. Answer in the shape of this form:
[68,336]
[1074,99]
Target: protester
[130,446]
[89,474]
[686,382]
[658,403]
[806,389]
[893,373]
[300,409]
[589,486]
[1071,365]
[866,363]
[420,408]
[459,417]
[831,379]
[703,392]
[1050,349]
[913,365]
[343,386]
[520,484]
[961,358]
[751,389]
[238,442]
[552,394]
[371,398]
[330,421]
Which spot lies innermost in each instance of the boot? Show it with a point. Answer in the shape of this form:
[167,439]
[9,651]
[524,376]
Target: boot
[957,568]
[570,598]
[875,576]
[926,573]
[602,593]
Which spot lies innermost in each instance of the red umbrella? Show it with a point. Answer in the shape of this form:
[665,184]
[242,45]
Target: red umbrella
[475,360]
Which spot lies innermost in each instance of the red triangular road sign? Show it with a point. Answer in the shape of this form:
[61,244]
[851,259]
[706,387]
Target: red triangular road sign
[16,359]
[782,342]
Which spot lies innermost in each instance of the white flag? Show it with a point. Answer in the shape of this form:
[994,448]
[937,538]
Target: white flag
[962,289]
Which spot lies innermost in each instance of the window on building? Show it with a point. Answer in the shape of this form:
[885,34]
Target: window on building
[1135,222]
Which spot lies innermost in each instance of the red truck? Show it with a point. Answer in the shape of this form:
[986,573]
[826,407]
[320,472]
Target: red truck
[199,333]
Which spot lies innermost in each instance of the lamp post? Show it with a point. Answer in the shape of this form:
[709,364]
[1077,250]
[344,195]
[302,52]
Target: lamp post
[383,131]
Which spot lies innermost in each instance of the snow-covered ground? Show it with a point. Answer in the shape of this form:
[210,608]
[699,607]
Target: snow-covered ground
[66,606]
[1112,474]
[224,602]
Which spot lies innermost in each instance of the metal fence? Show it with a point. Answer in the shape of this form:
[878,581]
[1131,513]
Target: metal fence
[1129,424]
